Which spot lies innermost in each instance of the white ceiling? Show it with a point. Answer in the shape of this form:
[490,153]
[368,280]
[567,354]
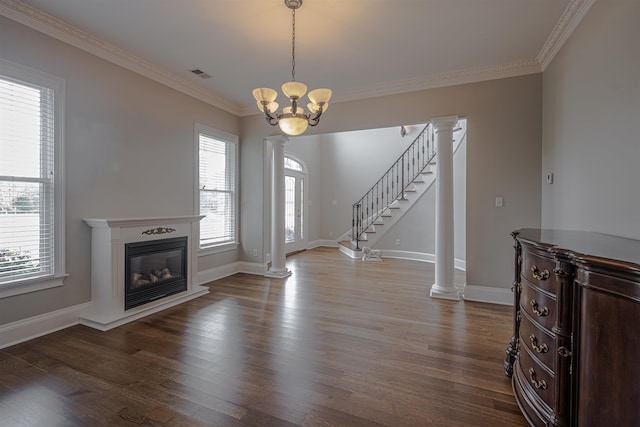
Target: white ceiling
[358,48]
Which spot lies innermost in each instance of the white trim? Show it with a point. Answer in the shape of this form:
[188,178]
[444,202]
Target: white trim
[571,17]
[228,138]
[58,85]
[322,243]
[37,326]
[216,273]
[23,287]
[58,29]
[105,323]
[451,78]
[488,294]
[459,264]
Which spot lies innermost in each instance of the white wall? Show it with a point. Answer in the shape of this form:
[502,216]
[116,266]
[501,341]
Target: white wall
[591,107]
[129,153]
[343,166]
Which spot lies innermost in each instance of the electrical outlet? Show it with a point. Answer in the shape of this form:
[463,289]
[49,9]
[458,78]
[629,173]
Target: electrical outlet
[499,202]
[397,242]
[255,252]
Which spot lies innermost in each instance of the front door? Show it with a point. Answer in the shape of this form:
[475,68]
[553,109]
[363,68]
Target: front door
[294,179]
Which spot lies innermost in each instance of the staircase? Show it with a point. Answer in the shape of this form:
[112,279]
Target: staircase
[401,186]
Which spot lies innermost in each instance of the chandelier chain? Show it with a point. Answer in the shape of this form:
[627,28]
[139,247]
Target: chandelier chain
[293,45]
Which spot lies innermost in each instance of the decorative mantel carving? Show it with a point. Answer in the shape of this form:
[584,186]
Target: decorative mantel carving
[159,230]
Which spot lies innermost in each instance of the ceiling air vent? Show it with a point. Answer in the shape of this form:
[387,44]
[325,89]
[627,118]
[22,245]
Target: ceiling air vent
[201,74]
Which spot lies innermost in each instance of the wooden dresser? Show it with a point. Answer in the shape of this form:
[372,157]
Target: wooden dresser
[575,352]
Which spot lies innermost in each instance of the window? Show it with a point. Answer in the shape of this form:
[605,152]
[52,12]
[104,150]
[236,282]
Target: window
[31,180]
[217,195]
[289,163]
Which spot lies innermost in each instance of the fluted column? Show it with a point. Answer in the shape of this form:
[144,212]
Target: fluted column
[444,286]
[278,255]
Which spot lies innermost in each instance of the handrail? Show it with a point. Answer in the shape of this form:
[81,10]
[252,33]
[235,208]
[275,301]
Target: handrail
[393,183]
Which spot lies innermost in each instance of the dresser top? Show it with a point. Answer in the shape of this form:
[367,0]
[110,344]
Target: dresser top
[582,244]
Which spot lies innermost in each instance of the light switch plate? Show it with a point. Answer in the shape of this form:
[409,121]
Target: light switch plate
[550,178]
[499,202]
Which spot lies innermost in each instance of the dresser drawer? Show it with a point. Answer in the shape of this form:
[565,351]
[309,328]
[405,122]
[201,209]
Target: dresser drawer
[541,307]
[538,270]
[540,342]
[539,378]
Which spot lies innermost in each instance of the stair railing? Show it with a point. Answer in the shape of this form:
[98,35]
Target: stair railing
[393,184]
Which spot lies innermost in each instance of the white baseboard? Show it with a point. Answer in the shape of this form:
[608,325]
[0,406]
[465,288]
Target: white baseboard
[488,294]
[252,268]
[230,269]
[459,264]
[37,326]
[320,242]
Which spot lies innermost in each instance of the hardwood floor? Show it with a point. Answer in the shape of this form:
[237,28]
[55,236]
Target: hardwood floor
[339,343]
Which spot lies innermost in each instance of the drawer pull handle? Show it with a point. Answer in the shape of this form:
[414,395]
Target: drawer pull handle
[544,311]
[564,352]
[542,348]
[540,385]
[544,275]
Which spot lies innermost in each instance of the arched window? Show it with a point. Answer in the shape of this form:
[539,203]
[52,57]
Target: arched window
[289,163]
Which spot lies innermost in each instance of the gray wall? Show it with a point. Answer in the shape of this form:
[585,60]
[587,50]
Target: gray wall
[503,159]
[129,153]
[591,111]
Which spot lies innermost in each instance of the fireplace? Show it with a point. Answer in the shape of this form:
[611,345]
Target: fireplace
[140,266]
[154,269]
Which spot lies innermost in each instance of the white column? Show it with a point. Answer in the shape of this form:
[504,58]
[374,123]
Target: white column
[444,286]
[278,256]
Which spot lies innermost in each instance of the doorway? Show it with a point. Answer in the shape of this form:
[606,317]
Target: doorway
[295,181]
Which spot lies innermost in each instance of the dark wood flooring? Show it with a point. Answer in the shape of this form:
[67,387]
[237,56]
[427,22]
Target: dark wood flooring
[339,343]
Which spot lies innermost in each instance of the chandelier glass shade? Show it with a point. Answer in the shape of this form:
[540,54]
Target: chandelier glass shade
[293,120]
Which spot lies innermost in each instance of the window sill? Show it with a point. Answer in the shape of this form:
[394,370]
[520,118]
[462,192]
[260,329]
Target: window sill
[217,249]
[33,285]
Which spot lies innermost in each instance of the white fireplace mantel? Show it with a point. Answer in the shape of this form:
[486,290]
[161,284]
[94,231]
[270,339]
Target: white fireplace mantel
[108,239]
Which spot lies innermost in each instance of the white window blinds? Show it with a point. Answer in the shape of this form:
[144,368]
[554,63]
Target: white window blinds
[217,188]
[27,171]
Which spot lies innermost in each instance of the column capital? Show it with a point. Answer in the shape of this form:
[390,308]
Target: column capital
[278,139]
[444,123]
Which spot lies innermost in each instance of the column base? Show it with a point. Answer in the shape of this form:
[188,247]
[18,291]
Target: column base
[450,293]
[279,273]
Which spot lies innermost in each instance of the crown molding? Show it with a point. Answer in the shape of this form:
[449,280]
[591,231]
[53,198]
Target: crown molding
[53,27]
[571,17]
[451,78]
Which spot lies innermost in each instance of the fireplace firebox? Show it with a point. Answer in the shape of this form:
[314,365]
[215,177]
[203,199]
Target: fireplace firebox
[154,269]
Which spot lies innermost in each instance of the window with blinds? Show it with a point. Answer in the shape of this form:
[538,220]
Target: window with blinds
[28,184]
[217,159]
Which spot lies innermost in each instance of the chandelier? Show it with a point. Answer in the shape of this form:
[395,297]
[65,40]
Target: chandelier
[293,120]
